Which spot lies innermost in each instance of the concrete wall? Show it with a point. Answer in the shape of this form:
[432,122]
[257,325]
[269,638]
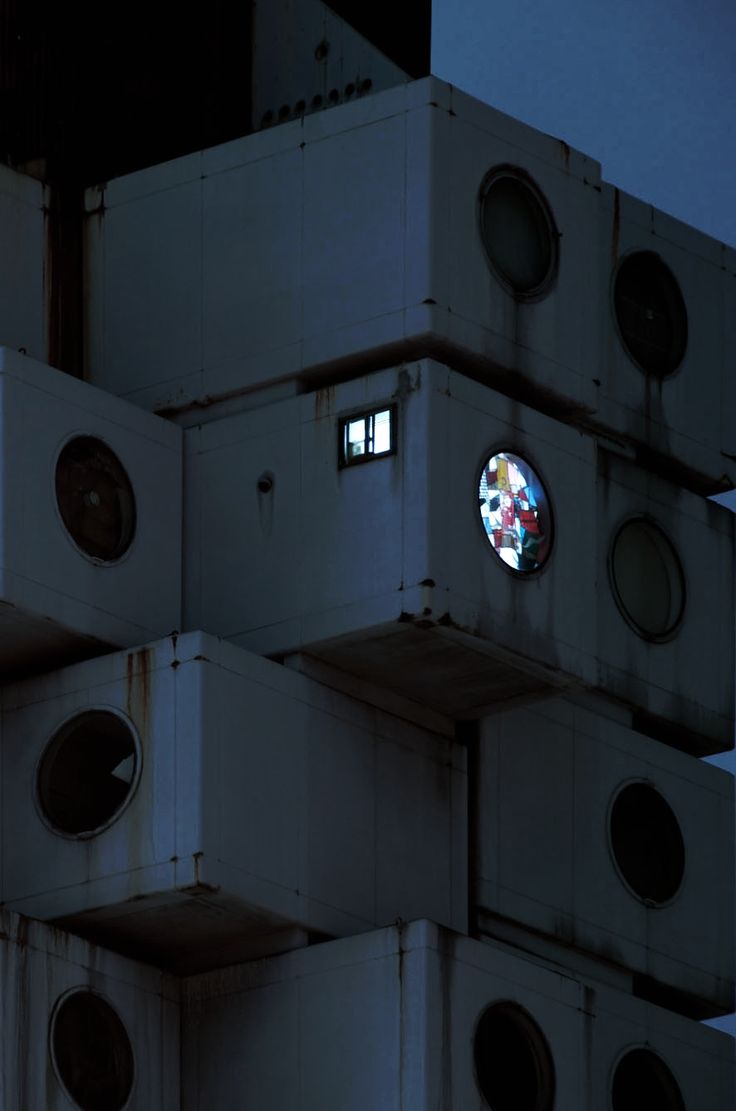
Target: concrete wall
[57,602]
[23,322]
[41,968]
[262,802]
[384,569]
[353,238]
[307,57]
[391,1020]
[547,850]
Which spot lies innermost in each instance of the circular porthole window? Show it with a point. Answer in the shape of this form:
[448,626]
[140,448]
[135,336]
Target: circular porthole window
[651,314]
[647,843]
[642,1082]
[513,1064]
[647,578]
[95,499]
[515,512]
[518,232]
[87,773]
[91,1052]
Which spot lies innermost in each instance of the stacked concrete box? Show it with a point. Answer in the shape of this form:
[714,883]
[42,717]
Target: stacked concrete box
[23,308]
[681,420]
[385,571]
[666,677]
[617,846]
[81,1022]
[90,509]
[423,1018]
[258,803]
[352,239]
[359,219]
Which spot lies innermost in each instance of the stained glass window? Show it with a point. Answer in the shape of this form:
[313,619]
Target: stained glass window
[514,509]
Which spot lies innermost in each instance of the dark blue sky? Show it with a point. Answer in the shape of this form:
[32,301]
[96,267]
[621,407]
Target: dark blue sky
[648,89]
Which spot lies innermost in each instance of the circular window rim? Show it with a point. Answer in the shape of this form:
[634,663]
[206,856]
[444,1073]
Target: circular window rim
[650,904]
[89,835]
[85,989]
[651,638]
[624,1052]
[537,1040]
[648,374]
[524,456]
[95,560]
[518,173]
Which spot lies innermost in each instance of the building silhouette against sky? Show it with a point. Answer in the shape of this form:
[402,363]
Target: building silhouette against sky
[365,617]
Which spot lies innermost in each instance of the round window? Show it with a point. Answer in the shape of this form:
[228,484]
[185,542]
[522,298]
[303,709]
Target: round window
[513,1064]
[642,1082]
[91,1052]
[95,499]
[651,314]
[515,512]
[518,231]
[648,582]
[647,843]
[87,773]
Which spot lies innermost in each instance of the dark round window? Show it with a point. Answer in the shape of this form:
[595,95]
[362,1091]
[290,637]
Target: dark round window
[647,843]
[648,582]
[515,512]
[513,1064]
[95,498]
[518,231]
[92,1053]
[642,1082]
[651,313]
[87,772]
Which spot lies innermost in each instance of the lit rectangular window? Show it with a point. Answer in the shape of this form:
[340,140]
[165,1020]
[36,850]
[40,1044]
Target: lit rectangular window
[367,436]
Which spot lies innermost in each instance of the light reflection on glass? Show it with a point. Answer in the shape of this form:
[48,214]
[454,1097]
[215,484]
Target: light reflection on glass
[367,436]
[382,432]
[356,438]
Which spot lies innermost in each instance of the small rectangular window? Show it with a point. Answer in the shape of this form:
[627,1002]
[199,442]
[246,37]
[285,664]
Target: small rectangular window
[365,436]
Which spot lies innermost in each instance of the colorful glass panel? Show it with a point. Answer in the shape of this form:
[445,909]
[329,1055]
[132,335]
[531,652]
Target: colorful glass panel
[514,509]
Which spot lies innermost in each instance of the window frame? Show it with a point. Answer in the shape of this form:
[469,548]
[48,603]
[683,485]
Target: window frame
[344,462]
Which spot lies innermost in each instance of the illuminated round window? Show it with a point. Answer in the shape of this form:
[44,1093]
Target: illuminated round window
[651,313]
[95,498]
[87,773]
[642,1082]
[515,512]
[92,1053]
[518,231]
[648,582]
[647,843]
[513,1064]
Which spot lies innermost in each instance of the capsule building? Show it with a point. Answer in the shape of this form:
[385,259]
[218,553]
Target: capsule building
[364,614]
